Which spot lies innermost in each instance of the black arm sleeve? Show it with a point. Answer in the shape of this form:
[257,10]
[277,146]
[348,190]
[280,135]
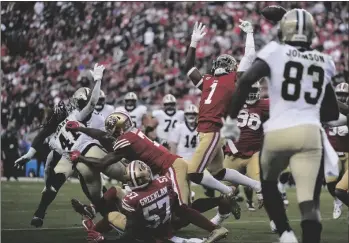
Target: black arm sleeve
[329,110]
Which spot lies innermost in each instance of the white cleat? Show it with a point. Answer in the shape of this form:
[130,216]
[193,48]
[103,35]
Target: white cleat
[273,227]
[288,237]
[337,210]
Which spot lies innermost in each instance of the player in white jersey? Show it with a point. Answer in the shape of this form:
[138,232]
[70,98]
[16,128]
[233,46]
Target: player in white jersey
[167,119]
[138,113]
[103,108]
[184,138]
[301,96]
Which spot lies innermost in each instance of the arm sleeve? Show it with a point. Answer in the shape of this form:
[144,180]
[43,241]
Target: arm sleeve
[250,54]
[88,109]
[342,121]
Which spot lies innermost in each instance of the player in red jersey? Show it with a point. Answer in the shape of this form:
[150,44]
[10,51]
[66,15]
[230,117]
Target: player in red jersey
[147,211]
[217,88]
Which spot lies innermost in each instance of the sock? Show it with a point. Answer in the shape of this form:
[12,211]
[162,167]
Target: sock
[47,198]
[331,187]
[248,194]
[274,206]
[236,177]
[204,204]
[311,231]
[102,226]
[209,181]
[281,188]
[194,217]
[219,217]
[343,196]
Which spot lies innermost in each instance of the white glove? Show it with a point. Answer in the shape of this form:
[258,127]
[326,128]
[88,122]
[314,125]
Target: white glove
[246,26]
[198,34]
[230,129]
[97,72]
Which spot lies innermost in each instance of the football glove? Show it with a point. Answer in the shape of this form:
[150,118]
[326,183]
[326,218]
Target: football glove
[19,163]
[72,125]
[74,156]
[97,72]
[198,34]
[246,26]
[230,129]
[94,236]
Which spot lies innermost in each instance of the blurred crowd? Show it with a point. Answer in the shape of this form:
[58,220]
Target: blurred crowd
[48,47]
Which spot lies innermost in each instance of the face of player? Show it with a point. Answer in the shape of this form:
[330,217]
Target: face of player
[170,108]
[263,89]
[130,105]
[342,97]
[191,118]
[100,104]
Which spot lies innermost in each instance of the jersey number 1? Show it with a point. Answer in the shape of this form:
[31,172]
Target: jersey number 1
[209,98]
[316,72]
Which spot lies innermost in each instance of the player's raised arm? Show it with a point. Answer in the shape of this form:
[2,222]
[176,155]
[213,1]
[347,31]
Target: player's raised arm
[97,74]
[189,67]
[250,53]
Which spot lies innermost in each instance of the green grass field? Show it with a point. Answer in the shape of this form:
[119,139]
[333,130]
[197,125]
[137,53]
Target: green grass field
[63,225]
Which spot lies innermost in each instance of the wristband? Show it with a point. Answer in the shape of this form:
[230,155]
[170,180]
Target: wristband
[193,44]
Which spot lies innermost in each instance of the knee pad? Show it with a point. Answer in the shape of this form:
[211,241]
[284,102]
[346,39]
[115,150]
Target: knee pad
[196,177]
[118,221]
[220,175]
[309,211]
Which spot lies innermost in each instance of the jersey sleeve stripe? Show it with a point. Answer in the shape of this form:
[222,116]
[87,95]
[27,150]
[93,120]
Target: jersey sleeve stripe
[199,83]
[121,144]
[127,207]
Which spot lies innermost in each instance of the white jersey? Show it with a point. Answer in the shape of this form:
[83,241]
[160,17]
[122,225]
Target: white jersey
[296,84]
[167,123]
[106,111]
[136,115]
[186,139]
[66,141]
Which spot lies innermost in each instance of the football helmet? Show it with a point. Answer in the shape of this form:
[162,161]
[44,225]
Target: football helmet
[254,94]
[170,103]
[101,102]
[130,101]
[138,175]
[81,97]
[297,27]
[342,92]
[117,123]
[224,64]
[191,114]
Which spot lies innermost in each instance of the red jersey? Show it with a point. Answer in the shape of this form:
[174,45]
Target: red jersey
[339,138]
[134,145]
[151,208]
[215,100]
[250,120]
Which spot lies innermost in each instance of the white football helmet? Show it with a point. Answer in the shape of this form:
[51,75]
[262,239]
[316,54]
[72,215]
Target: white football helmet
[130,101]
[254,94]
[170,103]
[342,92]
[101,102]
[81,97]
[191,114]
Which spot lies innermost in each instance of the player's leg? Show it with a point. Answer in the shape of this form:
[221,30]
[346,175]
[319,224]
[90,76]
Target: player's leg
[210,144]
[283,179]
[253,172]
[61,172]
[178,174]
[274,159]
[308,171]
[342,186]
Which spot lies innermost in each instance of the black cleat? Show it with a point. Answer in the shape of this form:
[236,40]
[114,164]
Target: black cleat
[84,210]
[37,222]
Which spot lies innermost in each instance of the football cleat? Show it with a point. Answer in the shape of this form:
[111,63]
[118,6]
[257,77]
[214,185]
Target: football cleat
[216,235]
[235,207]
[37,222]
[288,237]
[85,210]
[94,237]
[273,227]
[88,224]
[337,209]
[260,199]
[250,206]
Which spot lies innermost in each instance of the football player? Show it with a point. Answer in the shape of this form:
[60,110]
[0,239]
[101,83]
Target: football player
[166,120]
[217,88]
[103,108]
[300,92]
[339,139]
[138,113]
[184,138]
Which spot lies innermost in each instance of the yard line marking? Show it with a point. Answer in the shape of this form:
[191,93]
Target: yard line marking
[80,227]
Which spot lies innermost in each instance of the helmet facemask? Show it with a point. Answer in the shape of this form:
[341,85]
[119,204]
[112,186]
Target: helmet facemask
[223,65]
[170,108]
[130,105]
[100,104]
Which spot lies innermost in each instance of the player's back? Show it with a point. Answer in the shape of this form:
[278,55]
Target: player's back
[152,206]
[167,123]
[136,146]
[215,99]
[186,139]
[296,85]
